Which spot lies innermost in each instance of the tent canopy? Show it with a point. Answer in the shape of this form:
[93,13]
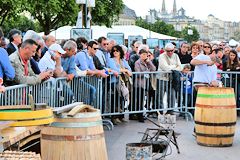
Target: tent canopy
[98,31]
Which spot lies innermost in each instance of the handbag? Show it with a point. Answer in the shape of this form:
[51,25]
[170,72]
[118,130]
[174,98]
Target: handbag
[122,89]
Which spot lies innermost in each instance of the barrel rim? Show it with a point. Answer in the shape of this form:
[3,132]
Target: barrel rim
[76,124]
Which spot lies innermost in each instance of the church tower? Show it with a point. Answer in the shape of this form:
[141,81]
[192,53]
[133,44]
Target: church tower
[163,11]
[174,12]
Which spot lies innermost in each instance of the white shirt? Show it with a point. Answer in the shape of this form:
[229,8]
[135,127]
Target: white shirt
[16,47]
[46,63]
[204,73]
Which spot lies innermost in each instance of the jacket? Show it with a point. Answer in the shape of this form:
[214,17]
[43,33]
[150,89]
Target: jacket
[141,81]
[20,78]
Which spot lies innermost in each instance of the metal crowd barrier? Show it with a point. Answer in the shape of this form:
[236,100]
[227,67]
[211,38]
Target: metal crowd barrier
[148,92]
[18,94]
[228,79]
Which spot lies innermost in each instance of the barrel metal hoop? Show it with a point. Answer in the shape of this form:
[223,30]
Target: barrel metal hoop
[215,95]
[216,124]
[71,138]
[81,115]
[76,124]
[217,107]
[215,135]
[215,145]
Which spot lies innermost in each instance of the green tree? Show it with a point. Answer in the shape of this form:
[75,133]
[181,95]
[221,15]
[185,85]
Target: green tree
[20,22]
[106,12]
[190,38]
[52,14]
[159,27]
[9,8]
[236,36]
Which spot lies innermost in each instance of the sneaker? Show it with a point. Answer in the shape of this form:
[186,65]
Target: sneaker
[118,120]
[123,120]
[114,121]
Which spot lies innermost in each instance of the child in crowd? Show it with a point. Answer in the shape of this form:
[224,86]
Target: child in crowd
[186,77]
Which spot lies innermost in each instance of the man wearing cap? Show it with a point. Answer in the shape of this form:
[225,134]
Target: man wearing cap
[52,61]
[20,60]
[15,37]
[168,61]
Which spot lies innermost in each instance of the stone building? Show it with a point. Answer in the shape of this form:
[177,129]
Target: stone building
[210,29]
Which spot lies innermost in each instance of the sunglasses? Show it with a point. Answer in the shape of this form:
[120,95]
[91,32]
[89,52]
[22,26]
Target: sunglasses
[115,50]
[169,51]
[105,44]
[206,47]
[95,48]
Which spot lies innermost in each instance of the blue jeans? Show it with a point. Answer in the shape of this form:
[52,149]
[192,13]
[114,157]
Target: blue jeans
[90,94]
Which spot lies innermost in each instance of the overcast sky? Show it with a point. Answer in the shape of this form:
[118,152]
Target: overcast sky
[228,10]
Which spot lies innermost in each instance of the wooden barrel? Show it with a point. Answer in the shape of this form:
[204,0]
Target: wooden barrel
[80,137]
[215,116]
[138,151]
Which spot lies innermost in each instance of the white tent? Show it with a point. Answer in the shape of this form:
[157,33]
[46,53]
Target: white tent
[233,43]
[98,31]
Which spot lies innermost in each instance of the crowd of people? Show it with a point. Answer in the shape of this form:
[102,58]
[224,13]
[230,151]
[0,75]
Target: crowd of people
[33,59]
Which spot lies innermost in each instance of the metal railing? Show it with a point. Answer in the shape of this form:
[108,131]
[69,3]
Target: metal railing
[148,92]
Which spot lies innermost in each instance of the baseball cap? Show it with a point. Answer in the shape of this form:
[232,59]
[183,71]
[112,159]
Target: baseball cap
[57,47]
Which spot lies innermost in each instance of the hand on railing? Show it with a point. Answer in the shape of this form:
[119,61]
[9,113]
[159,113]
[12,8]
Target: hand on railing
[70,77]
[46,75]
[102,74]
[90,73]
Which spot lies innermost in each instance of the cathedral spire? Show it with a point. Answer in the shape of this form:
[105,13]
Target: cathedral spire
[174,8]
[164,11]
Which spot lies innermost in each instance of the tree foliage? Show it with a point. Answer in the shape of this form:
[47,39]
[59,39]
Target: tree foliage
[21,23]
[168,29]
[52,14]
[190,38]
[9,8]
[236,36]
[106,12]
[159,27]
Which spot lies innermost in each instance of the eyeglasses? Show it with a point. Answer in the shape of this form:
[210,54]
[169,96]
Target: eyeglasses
[105,44]
[169,51]
[206,47]
[95,48]
[115,50]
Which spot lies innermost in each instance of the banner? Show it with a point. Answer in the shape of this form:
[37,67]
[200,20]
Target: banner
[132,38]
[118,37]
[81,32]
